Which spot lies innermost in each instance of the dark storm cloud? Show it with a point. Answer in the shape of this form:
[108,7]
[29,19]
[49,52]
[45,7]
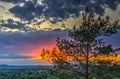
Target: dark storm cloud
[48,9]
[10,23]
[18,44]
[30,37]
[28,11]
[13,1]
[60,9]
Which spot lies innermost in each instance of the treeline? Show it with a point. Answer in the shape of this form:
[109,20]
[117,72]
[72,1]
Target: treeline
[109,72]
[25,74]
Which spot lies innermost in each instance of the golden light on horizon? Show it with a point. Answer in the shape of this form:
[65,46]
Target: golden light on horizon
[50,55]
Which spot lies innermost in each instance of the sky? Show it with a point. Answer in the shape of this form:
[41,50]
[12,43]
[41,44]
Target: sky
[28,26]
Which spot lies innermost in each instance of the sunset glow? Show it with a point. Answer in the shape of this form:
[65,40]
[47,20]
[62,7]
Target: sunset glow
[29,26]
[51,55]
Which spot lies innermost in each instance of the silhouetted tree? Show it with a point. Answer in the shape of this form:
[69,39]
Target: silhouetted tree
[84,47]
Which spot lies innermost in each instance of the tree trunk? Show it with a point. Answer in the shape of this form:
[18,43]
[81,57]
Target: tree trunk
[87,64]
[87,73]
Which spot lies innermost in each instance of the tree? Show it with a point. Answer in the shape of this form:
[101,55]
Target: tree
[80,53]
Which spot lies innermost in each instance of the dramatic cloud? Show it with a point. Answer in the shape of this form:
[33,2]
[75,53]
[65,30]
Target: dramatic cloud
[27,10]
[26,45]
[57,10]
[11,24]
[13,1]
[16,45]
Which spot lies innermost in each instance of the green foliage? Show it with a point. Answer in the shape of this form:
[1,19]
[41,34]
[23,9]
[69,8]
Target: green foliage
[65,74]
[25,74]
[111,72]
